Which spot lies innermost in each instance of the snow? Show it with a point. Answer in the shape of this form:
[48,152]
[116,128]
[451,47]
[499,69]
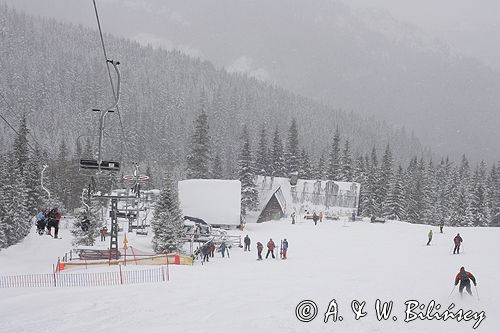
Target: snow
[213,200]
[337,260]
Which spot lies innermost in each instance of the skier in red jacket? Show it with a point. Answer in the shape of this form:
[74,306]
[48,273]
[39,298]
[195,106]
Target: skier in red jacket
[464,278]
[270,248]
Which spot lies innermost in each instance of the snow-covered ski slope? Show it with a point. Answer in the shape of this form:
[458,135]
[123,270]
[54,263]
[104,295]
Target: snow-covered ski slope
[335,260]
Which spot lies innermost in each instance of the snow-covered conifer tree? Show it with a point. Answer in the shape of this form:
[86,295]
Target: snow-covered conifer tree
[167,223]
[249,194]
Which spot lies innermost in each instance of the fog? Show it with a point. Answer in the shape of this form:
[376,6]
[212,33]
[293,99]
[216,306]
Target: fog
[431,66]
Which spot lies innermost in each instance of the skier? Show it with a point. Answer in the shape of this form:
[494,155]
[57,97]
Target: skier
[247,243]
[222,249]
[441,227]
[458,241]
[464,278]
[285,248]
[293,217]
[260,247]
[41,221]
[315,218]
[270,248]
[430,237]
[321,216]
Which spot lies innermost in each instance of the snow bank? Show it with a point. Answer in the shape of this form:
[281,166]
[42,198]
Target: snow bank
[213,200]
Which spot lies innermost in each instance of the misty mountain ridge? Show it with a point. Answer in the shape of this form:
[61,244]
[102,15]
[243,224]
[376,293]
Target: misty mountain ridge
[38,67]
[361,60]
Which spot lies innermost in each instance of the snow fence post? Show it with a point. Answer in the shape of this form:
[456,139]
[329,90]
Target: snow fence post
[54,274]
[163,273]
[121,277]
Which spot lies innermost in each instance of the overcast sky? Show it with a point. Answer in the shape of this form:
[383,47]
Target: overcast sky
[467,26]
[471,27]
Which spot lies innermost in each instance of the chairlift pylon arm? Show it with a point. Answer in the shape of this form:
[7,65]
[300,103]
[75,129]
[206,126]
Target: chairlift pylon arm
[41,180]
[103,113]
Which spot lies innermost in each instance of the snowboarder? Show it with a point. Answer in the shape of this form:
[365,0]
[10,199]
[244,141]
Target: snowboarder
[41,221]
[430,237]
[222,249]
[270,248]
[315,218]
[464,278]
[458,241]
[441,227]
[285,248]
[247,243]
[103,232]
[293,217]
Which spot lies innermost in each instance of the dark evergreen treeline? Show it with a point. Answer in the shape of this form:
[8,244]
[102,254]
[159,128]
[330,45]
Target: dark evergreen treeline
[55,74]
[422,191]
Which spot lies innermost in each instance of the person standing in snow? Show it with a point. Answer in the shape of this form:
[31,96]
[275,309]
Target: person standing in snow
[285,248]
[293,217]
[222,249]
[441,227]
[260,247]
[270,248]
[458,241]
[315,218]
[247,243]
[430,237]
[103,232]
[211,249]
[464,278]
[204,252]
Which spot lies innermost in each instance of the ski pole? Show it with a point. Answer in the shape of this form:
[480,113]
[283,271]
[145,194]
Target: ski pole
[477,292]
[452,291]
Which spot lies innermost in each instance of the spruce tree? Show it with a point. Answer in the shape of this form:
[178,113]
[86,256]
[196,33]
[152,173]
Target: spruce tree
[167,223]
[394,207]
[217,171]
[277,156]
[346,167]
[292,156]
[305,166]
[479,205]
[262,166]
[198,158]
[386,175]
[249,194]
[333,172]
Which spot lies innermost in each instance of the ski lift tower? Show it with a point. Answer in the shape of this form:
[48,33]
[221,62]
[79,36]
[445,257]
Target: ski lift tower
[99,165]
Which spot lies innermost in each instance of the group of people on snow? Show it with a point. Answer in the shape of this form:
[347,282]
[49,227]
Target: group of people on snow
[270,249]
[48,220]
[208,250]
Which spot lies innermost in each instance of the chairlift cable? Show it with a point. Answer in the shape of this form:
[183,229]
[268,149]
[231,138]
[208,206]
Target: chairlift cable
[12,127]
[109,73]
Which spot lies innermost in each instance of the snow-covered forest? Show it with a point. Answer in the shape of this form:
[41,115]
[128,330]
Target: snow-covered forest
[185,115]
